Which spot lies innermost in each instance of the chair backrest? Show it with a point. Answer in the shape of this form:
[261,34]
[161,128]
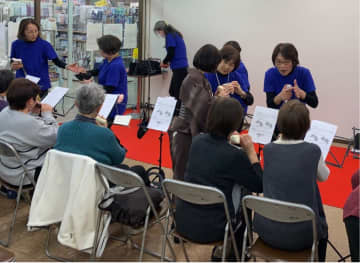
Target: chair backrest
[7,150]
[118,176]
[194,193]
[285,212]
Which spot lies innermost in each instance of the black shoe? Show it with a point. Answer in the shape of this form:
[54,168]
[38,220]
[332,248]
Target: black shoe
[214,256]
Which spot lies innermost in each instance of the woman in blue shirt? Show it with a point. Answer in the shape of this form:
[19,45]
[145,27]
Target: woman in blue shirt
[287,80]
[176,56]
[241,69]
[34,53]
[227,77]
[111,73]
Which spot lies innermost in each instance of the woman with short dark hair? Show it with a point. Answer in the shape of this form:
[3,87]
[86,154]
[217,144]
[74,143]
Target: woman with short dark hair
[111,73]
[196,96]
[34,53]
[175,56]
[227,77]
[31,135]
[213,161]
[6,76]
[292,168]
[287,80]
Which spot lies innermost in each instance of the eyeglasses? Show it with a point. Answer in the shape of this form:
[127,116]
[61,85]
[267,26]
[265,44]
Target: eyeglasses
[284,62]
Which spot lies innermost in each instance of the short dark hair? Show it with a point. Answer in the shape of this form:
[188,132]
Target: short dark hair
[109,44]
[20,91]
[230,54]
[207,58]
[224,116]
[288,51]
[22,27]
[234,44]
[293,120]
[6,76]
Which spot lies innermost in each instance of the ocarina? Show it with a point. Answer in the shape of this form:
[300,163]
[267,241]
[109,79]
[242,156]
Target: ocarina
[235,139]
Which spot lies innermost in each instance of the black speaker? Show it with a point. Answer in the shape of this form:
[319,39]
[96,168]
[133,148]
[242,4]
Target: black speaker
[357,141]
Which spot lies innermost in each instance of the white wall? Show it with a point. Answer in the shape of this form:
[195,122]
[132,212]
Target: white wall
[325,32]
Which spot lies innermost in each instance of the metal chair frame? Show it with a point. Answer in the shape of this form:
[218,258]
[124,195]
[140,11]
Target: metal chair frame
[127,178]
[200,195]
[285,212]
[6,149]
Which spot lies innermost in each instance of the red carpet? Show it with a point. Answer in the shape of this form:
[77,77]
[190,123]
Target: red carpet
[334,191]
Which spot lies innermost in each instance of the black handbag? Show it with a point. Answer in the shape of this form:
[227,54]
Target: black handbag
[147,67]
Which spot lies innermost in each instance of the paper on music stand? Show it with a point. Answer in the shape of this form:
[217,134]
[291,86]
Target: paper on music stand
[322,134]
[108,105]
[263,124]
[130,36]
[122,120]
[114,29]
[33,78]
[162,114]
[55,96]
[93,32]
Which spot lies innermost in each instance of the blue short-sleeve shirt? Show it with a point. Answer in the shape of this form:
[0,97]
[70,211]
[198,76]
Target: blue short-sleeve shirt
[274,81]
[180,58]
[114,74]
[217,79]
[242,71]
[34,56]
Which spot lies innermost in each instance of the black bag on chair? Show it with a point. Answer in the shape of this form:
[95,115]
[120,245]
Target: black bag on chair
[147,67]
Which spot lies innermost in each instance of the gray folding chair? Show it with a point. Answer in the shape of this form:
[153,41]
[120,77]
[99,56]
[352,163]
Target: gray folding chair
[280,211]
[129,179]
[7,150]
[200,195]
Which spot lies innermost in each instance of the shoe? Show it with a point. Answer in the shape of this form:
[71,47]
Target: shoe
[10,194]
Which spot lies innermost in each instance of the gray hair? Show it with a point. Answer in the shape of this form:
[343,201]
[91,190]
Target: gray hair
[89,98]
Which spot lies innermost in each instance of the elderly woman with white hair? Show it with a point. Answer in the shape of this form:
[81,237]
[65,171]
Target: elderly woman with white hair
[87,136]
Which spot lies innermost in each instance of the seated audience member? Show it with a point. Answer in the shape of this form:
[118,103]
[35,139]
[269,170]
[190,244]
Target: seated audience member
[88,136]
[241,69]
[213,161]
[31,135]
[292,168]
[351,217]
[287,80]
[227,77]
[6,76]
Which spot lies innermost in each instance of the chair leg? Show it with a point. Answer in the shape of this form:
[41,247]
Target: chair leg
[164,236]
[144,233]
[244,250]
[98,223]
[225,242]
[47,244]
[185,252]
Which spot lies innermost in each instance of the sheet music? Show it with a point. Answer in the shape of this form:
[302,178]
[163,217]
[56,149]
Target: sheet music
[55,96]
[108,105]
[322,134]
[162,114]
[114,29]
[263,124]
[122,120]
[93,32]
[130,36]
[33,78]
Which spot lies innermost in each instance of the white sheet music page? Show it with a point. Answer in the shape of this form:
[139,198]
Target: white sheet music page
[108,104]
[55,96]
[162,114]
[33,78]
[263,124]
[322,134]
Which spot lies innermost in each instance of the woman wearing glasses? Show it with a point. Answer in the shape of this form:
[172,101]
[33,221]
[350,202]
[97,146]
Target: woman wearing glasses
[287,80]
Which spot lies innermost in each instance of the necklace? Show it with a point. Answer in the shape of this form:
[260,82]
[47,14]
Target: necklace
[217,78]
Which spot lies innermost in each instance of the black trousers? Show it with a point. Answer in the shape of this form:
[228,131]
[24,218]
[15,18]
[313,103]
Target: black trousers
[352,230]
[175,84]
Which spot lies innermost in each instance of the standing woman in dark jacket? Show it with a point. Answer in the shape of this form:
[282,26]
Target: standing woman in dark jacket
[176,57]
